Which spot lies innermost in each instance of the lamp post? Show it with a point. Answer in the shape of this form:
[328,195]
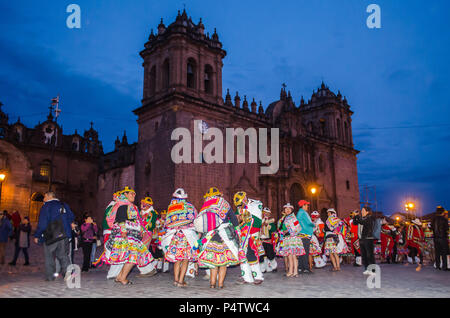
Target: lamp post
[410,209]
[313,192]
[2,179]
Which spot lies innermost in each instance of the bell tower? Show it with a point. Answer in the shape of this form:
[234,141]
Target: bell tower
[181,58]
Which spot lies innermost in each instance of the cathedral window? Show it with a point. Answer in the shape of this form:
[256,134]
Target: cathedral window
[208,79]
[346,132]
[152,79]
[339,129]
[323,127]
[191,72]
[166,74]
[44,169]
[347,183]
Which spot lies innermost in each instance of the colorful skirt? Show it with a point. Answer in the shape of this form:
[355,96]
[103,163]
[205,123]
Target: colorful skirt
[216,254]
[120,250]
[292,245]
[179,249]
[315,248]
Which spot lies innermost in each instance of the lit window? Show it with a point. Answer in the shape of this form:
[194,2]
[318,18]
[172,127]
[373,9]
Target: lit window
[45,170]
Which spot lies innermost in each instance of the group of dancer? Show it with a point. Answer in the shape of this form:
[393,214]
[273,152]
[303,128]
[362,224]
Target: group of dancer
[219,236]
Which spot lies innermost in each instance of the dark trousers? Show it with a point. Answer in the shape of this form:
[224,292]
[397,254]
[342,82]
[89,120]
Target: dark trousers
[59,250]
[413,252]
[303,261]
[367,255]
[87,249]
[268,249]
[441,251]
[17,251]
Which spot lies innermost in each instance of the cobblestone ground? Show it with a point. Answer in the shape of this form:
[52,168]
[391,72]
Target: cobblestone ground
[396,281]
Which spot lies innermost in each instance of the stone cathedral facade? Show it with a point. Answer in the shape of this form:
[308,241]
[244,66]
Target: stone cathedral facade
[182,67]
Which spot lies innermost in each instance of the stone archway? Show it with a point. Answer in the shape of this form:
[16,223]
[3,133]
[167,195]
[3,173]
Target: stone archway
[36,203]
[296,193]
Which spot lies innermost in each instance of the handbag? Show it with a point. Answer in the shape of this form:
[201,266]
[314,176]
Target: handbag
[55,230]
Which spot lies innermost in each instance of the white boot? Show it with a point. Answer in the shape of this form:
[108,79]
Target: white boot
[268,265]
[410,260]
[417,260]
[358,260]
[256,272]
[246,273]
[160,264]
[165,266]
[273,264]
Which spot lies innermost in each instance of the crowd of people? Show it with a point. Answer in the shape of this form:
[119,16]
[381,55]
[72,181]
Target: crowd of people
[221,235]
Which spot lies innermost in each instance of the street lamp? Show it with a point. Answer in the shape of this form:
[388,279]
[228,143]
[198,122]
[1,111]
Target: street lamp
[2,179]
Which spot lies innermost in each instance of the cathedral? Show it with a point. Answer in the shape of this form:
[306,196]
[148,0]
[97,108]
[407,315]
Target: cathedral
[26,157]
[182,67]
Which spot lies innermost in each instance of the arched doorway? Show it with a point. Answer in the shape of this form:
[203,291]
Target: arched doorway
[296,193]
[37,201]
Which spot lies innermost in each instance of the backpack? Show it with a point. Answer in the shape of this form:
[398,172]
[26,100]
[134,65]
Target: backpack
[55,230]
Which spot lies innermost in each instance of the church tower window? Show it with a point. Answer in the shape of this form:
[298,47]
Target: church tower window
[208,79]
[191,74]
[152,79]
[166,74]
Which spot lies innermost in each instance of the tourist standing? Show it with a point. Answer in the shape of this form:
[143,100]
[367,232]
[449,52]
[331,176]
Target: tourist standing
[365,222]
[5,232]
[54,227]
[440,232]
[88,238]
[22,238]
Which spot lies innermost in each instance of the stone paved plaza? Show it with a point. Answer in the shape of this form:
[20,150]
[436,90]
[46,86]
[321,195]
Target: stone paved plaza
[396,281]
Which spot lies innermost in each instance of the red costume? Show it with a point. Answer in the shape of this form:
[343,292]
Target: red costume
[415,237]
[387,241]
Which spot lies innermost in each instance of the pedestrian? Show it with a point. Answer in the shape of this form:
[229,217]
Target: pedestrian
[5,231]
[16,220]
[440,231]
[94,245]
[306,231]
[74,242]
[181,237]
[365,222]
[54,229]
[88,237]
[22,238]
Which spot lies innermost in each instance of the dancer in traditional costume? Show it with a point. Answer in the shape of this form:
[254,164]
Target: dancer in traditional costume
[180,241]
[306,232]
[155,245]
[124,245]
[415,241]
[353,239]
[292,241]
[250,212]
[268,261]
[402,249]
[220,246]
[387,236]
[334,239]
[148,220]
[317,239]
[279,244]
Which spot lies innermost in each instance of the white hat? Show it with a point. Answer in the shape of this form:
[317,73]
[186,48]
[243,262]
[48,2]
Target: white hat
[267,210]
[417,221]
[315,213]
[288,205]
[180,194]
[332,211]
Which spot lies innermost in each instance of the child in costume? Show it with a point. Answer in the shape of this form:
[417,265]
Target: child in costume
[155,245]
[268,261]
[180,241]
[317,239]
[220,245]
[292,246]
[250,212]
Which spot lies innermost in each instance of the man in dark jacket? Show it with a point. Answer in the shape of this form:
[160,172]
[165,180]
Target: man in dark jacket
[439,226]
[365,222]
[51,211]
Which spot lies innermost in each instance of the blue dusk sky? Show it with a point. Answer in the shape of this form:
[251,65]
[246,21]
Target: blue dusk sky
[396,78]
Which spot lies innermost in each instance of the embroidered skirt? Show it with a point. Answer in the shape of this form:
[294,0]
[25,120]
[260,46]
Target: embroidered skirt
[129,249]
[179,249]
[292,245]
[315,248]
